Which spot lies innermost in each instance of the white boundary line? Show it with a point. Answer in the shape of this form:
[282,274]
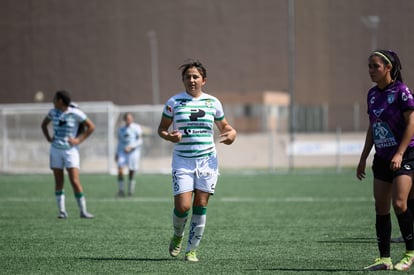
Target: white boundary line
[224,199]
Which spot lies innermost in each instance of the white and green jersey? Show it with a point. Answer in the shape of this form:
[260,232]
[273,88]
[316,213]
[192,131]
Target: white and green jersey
[65,125]
[194,118]
[129,135]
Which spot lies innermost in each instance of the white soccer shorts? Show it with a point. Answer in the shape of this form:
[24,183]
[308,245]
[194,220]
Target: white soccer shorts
[190,174]
[64,158]
[131,159]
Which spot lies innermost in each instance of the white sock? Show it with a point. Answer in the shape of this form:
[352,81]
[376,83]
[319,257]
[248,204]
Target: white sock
[197,225]
[80,198]
[60,200]
[131,186]
[179,223]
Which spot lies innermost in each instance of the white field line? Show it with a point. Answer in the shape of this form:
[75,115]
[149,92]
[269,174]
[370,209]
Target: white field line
[224,199]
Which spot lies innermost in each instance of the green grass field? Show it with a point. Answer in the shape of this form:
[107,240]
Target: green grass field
[298,223]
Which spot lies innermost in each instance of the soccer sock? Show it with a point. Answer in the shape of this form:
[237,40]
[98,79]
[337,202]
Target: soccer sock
[197,225]
[121,184]
[383,229]
[410,205]
[80,198]
[60,200]
[131,186]
[179,221]
[405,220]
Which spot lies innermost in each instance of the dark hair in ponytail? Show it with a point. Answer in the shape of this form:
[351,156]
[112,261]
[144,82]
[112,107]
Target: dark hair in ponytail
[390,57]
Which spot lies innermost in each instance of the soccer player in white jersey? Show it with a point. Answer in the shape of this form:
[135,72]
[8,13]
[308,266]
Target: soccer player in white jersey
[192,115]
[64,152]
[128,153]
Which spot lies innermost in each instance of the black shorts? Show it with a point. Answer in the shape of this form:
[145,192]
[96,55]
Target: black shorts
[382,171]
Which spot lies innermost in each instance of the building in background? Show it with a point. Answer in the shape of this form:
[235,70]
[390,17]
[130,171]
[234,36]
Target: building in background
[128,52]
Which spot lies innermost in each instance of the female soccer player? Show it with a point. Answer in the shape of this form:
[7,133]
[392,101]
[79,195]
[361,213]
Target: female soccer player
[64,152]
[128,153]
[391,130]
[192,115]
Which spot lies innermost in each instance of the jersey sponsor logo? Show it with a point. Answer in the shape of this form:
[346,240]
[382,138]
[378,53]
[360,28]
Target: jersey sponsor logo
[194,132]
[196,113]
[62,122]
[383,137]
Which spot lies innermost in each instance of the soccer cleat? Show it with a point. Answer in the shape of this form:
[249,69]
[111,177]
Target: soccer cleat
[175,245]
[399,239]
[405,262]
[191,256]
[62,215]
[380,264]
[86,215]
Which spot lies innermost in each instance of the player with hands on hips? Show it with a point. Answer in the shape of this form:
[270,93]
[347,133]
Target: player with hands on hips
[390,132]
[128,153]
[192,115]
[64,151]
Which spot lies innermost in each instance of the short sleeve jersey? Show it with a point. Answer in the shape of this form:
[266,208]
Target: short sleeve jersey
[129,136]
[194,118]
[65,125]
[385,110]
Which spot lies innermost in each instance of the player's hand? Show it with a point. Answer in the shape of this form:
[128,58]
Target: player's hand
[396,162]
[360,172]
[128,149]
[174,136]
[74,141]
[228,136]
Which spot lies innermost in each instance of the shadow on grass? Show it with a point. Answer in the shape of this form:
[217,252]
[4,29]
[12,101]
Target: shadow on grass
[332,270]
[127,259]
[350,240]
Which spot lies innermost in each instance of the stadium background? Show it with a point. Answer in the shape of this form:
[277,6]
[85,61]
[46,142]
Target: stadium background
[125,54]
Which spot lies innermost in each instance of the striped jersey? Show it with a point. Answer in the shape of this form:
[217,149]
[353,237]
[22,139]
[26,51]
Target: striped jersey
[194,118]
[65,125]
[129,136]
[385,110]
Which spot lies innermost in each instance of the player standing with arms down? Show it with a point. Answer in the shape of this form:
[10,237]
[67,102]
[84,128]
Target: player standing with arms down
[128,153]
[391,130]
[192,115]
[64,151]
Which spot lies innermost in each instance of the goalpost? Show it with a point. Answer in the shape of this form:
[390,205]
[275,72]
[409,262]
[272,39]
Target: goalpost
[23,148]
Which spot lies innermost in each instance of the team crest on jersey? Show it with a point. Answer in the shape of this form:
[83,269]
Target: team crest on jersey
[372,101]
[391,98]
[209,103]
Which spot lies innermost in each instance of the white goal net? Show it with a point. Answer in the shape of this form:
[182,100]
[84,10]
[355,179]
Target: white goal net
[23,149]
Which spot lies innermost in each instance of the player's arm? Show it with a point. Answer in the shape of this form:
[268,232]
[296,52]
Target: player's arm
[369,143]
[227,132]
[45,130]
[89,128]
[173,136]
